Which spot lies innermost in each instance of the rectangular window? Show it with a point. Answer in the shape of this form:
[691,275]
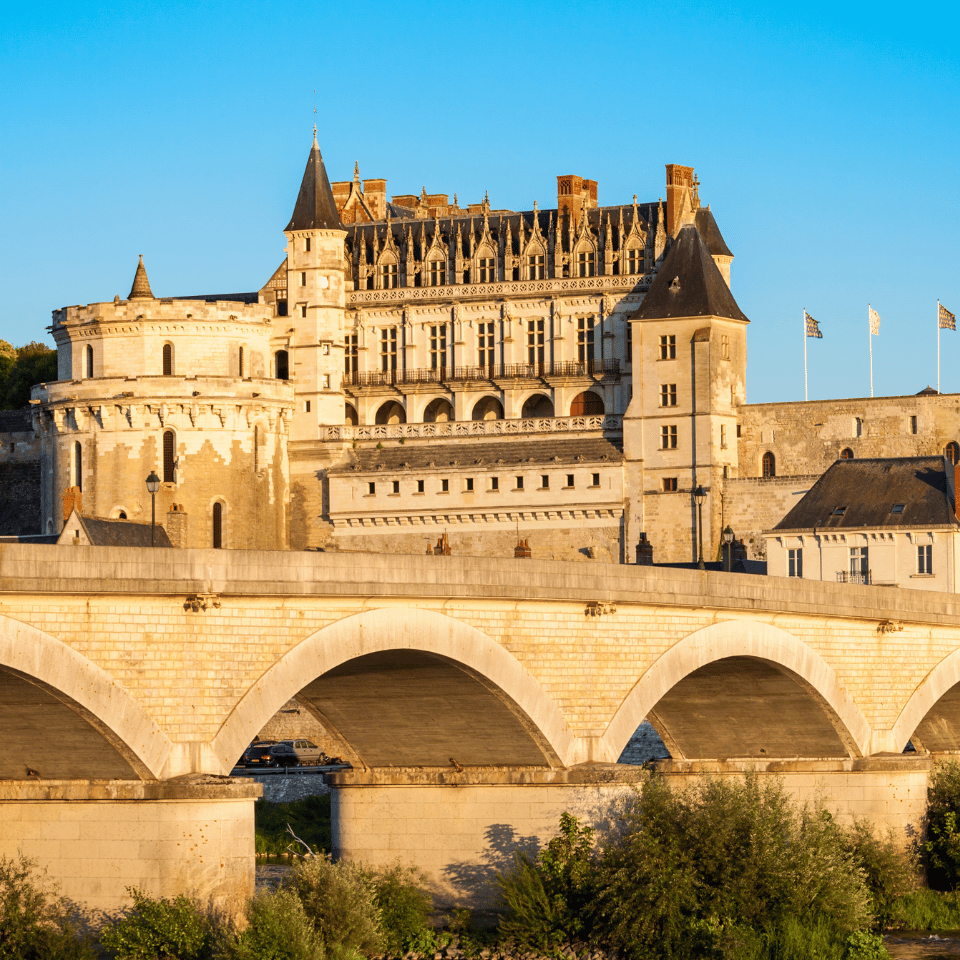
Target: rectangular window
[586,263]
[444,486]
[668,438]
[634,261]
[438,346]
[535,266]
[306,407]
[303,279]
[738,431]
[438,273]
[388,349]
[351,345]
[388,275]
[306,244]
[469,485]
[668,348]
[396,486]
[585,339]
[925,559]
[485,347]
[303,310]
[859,562]
[371,489]
[494,483]
[488,269]
[419,486]
[519,483]
[669,484]
[724,347]
[723,436]
[795,563]
[596,480]
[544,482]
[668,395]
[913,424]
[535,342]
[569,479]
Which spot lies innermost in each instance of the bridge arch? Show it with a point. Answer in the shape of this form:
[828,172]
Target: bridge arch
[932,714]
[756,654]
[434,649]
[66,718]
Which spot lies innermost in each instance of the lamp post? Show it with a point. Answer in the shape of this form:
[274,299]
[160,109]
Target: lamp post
[153,485]
[699,495]
[728,544]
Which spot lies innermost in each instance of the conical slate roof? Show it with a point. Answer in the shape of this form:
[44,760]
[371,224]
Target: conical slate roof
[141,285]
[689,284]
[711,234]
[315,209]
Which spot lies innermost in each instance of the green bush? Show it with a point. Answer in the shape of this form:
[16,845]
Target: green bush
[546,900]
[890,873]
[926,909]
[404,910]
[339,901]
[157,929]
[277,929]
[309,819]
[34,921]
[942,846]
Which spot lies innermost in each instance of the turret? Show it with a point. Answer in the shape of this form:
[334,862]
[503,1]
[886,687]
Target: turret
[316,292]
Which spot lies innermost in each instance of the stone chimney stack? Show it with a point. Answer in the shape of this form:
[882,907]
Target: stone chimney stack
[176,525]
[72,499]
[644,552]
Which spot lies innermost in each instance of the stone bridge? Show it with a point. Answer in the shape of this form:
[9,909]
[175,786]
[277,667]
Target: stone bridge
[475,698]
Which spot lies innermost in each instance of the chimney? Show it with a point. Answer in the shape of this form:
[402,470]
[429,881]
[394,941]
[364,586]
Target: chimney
[176,525]
[575,194]
[72,500]
[644,552]
[679,179]
[522,550]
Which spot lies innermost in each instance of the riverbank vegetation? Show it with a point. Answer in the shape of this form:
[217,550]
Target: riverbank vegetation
[729,868]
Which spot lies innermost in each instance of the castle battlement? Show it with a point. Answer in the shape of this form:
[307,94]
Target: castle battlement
[169,310]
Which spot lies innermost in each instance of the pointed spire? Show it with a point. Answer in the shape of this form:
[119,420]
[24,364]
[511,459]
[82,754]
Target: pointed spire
[356,171]
[315,208]
[141,285]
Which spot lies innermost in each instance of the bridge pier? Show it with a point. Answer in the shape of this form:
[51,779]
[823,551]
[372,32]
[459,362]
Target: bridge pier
[192,835]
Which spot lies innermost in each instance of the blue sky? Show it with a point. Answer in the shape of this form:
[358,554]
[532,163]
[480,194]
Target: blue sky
[825,139]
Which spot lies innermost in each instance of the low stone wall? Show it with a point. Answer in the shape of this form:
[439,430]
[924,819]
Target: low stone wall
[290,787]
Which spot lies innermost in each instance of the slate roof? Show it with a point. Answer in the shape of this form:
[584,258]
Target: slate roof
[315,208]
[711,234]
[438,456]
[869,490]
[689,284]
[122,533]
[253,297]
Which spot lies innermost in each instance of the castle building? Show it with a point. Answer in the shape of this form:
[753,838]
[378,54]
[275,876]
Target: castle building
[416,370]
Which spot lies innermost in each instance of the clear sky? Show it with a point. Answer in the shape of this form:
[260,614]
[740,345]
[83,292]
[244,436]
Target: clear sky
[825,137]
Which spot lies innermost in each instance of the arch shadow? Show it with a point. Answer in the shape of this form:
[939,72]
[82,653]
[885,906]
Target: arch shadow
[415,636]
[780,658]
[85,720]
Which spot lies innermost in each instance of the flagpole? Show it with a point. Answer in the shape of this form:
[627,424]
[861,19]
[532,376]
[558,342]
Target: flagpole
[805,397]
[870,335]
[938,345]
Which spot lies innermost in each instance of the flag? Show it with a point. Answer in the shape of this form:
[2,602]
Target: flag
[947,320]
[874,322]
[812,329]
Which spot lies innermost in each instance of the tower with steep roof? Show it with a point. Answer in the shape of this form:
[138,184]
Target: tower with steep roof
[316,293]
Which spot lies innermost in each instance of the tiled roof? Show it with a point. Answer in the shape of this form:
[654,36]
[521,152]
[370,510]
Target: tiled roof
[461,456]
[122,533]
[857,494]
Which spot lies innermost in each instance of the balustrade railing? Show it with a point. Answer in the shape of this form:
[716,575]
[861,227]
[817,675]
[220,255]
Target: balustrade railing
[845,576]
[598,369]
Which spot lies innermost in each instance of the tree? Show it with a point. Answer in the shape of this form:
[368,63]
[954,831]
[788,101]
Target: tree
[21,368]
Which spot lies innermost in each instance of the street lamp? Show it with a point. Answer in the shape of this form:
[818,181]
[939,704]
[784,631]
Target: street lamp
[728,543]
[153,485]
[699,495]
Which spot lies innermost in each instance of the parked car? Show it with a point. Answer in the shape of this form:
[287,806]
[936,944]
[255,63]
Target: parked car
[293,753]
[257,754]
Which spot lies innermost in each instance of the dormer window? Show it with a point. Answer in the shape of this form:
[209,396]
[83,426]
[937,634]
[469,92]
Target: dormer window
[838,511]
[897,508]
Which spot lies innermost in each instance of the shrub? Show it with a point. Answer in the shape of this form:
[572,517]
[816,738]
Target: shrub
[404,910]
[942,847]
[278,929]
[309,819]
[339,901]
[34,921]
[890,873]
[158,929]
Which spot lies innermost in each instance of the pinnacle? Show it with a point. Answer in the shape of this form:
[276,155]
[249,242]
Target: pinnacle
[141,285]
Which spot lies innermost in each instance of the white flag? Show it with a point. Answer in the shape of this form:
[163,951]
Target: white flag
[874,321]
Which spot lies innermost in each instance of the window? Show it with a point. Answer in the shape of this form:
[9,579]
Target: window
[859,561]
[569,479]
[419,486]
[388,349]
[634,261]
[487,269]
[325,383]
[669,484]
[795,563]
[306,407]
[396,486]
[282,363]
[596,480]
[519,483]
[897,508]
[169,460]
[371,489]
[668,437]
[535,266]
[240,362]
[913,424]
[78,465]
[668,395]
[388,275]
[723,436]
[768,465]
[535,342]
[303,310]
[738,431]
[586,261]
[585,339]
[485,348]
[444,486]
[846,454]
[258,442]
[838,511]
[857,427]
[952,452]
[668,348]
[218,526]
[544,482]
[468,485]
[494,483]
[925,559]
[281,306]
[88,354]
[724,347]
[303,279]
[438,273]
[168,360]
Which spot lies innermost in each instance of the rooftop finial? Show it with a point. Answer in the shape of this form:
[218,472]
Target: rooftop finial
[315,135]
[356,167]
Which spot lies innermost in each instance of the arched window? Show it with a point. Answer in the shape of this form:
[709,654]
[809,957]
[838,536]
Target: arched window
[168,359]
[537,406]
[846,454]
[769,465]
[89,358]
[78,465]
[283,365]
[169,458]
[586,404]
[218,526]
[240,364]
[952,452]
